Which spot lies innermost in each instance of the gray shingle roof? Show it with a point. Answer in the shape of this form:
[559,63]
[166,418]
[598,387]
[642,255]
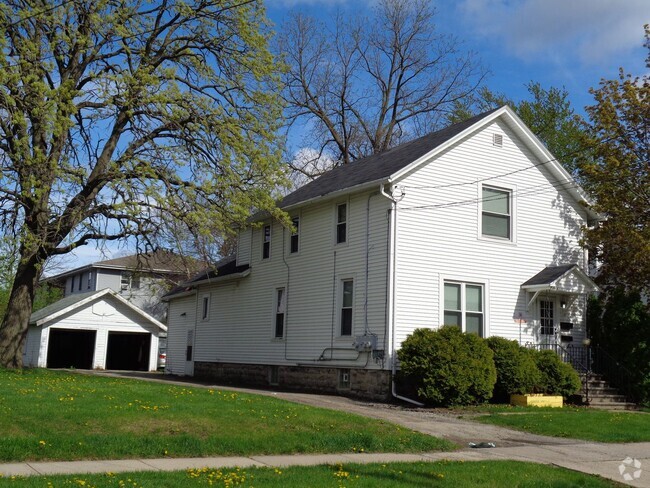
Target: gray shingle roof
[377,167]
[549,274]
[60,305]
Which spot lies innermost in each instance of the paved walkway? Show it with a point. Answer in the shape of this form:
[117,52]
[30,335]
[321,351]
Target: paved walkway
[588,457]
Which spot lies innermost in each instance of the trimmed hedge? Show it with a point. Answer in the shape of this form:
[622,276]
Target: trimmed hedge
[517,372]
[448,367]
[557,377]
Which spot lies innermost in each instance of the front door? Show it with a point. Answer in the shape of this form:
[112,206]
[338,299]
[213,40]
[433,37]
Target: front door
[547,322]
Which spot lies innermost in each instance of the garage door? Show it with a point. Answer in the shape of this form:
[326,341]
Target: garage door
[128,351]
[69,348]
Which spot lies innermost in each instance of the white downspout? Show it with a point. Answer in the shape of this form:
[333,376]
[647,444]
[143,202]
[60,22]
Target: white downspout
[391,296]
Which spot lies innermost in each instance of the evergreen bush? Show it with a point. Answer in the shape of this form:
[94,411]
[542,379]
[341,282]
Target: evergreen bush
[448,367]
[557,377]
[517,372]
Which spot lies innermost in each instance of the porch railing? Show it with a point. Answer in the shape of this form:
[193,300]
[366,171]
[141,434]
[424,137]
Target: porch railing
[589,360]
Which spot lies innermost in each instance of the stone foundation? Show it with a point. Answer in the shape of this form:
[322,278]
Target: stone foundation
[362,383]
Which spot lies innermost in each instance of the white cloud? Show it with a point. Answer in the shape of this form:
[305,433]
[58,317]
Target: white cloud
[592,30]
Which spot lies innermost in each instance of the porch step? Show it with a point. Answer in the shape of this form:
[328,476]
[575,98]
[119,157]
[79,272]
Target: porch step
[603,396]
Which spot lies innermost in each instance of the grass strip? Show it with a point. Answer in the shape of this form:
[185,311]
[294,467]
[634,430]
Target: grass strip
[54,415]
[575,423]
[391,475]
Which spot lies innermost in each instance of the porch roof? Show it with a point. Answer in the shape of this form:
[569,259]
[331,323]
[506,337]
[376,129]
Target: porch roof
[565,278]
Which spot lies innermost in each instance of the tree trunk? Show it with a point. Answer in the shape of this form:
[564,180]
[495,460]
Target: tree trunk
[13,331]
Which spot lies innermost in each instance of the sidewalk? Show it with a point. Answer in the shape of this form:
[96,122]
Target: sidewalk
[591,458]
[588,457]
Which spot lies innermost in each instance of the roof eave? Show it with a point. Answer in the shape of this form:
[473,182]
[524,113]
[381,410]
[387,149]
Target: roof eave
[335,194]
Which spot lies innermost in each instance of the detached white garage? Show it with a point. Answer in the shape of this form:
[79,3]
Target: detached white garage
[94,330]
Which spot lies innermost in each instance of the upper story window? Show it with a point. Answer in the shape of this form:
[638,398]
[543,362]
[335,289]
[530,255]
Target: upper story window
[266,242]
[295,235]
[341,223]
[464,307]
[280,310]
[72,284]
[80,280]
[347,292]
[90,280]
[496,215]
[129,281]
[205,307]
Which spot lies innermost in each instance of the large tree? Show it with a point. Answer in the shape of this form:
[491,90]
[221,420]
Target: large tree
[617,173]
[118,117]
[363,85]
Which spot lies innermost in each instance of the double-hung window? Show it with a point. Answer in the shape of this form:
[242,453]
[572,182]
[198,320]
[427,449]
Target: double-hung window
[347,291]
[266,243]
[341,223]
[496,215]
[280,311]
[464,307]
[295,235]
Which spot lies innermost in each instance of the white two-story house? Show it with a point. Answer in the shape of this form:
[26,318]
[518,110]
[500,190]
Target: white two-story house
[476,225]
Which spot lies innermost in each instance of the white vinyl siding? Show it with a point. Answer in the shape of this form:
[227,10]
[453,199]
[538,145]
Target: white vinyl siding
[180,318]
[438,236]
[241,320]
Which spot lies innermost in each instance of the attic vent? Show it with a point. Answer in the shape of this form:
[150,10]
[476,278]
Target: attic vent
[497,140]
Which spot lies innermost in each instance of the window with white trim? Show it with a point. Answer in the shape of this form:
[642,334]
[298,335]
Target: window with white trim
[496,212]
[341,223]
[347,301]
[266,242]
[295,235]
[464,307]
[90,279]
[280,311]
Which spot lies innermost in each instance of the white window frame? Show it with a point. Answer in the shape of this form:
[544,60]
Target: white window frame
[205,307]
[279,308]
[340,307]
[346,223]
[472,281]
[511,190]
[265,242]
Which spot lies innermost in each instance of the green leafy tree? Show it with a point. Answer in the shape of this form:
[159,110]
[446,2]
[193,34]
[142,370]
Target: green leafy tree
[117,118]
[547,113]
[617,174]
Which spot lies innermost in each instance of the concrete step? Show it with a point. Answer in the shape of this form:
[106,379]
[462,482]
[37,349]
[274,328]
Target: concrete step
[613,406]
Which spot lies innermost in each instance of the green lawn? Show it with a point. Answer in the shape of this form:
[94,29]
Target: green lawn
[576,423]
[408,475]
[52,415]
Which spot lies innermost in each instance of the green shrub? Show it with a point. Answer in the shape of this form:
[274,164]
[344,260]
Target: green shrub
[557,377]
[517,372]
[448,367]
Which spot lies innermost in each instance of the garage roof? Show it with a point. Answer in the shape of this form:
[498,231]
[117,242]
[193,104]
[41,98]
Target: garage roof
[77,300]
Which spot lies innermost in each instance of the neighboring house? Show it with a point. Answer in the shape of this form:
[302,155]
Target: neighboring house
[140,278]
[93,330]
[475,225]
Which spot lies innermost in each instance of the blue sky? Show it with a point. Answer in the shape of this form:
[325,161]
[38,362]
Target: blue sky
[570,43]
[561,43]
